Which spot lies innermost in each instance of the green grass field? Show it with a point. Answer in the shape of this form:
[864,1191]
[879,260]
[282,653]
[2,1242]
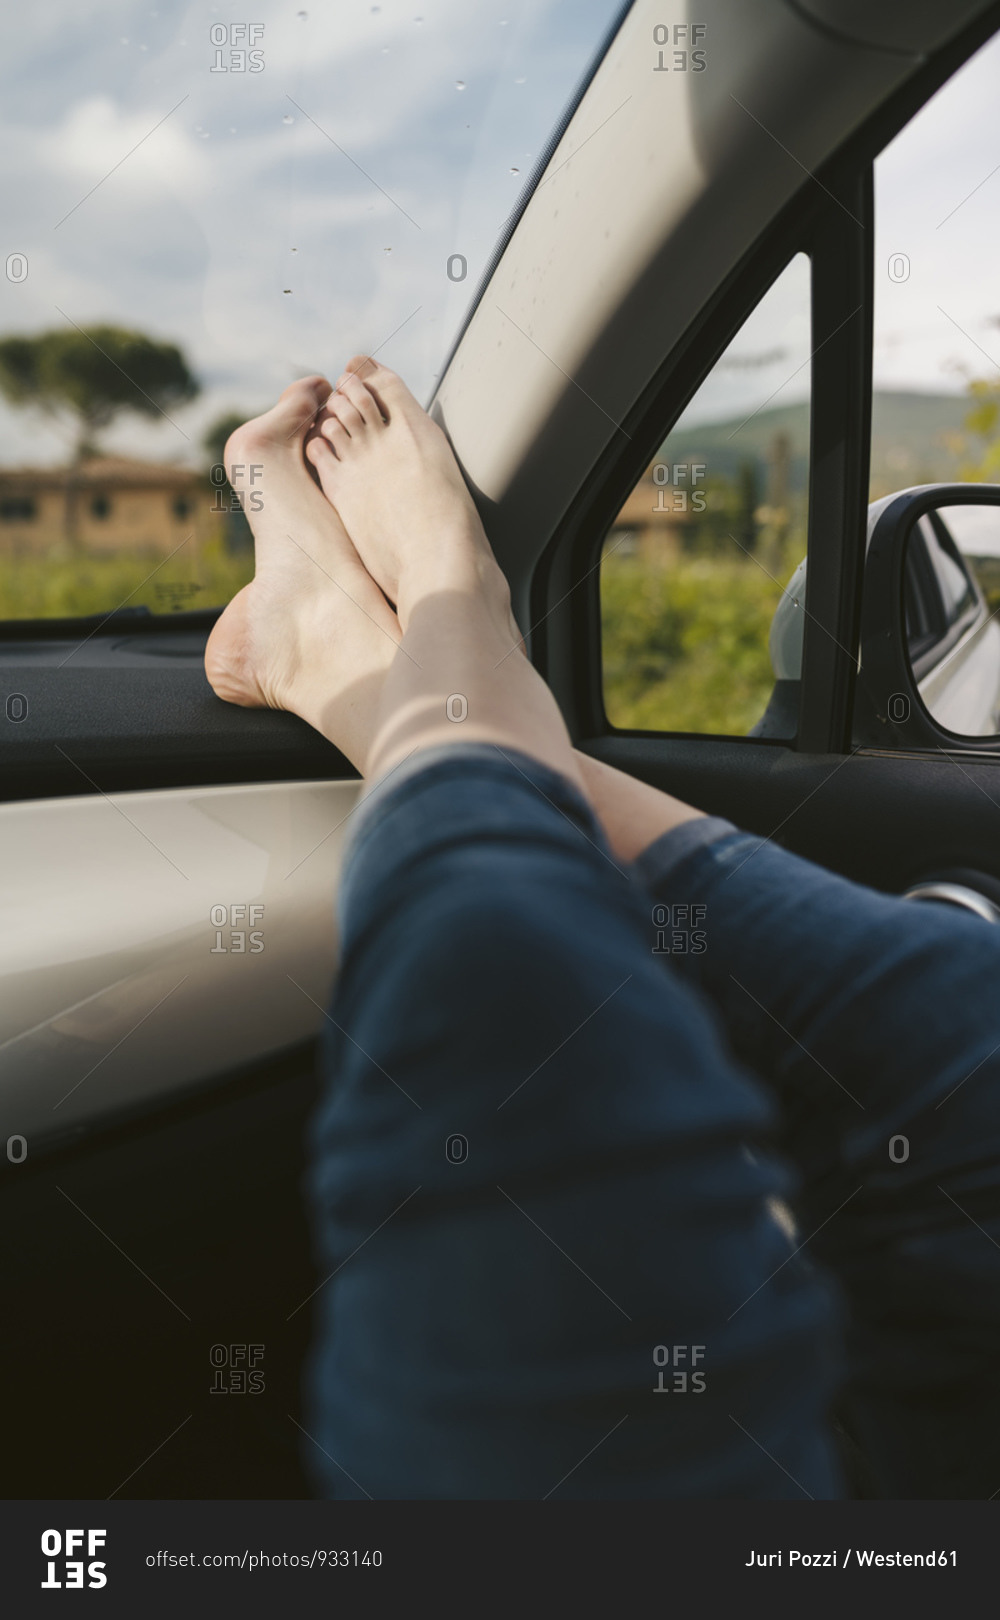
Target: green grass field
[64,585]
[685,646]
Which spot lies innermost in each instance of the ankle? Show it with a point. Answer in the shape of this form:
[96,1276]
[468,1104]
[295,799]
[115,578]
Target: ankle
[457,567]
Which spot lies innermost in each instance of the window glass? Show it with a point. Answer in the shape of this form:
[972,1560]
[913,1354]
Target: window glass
[936,376]
[957,593]
[695,562]
[975,531]
[198,209]
[936,358]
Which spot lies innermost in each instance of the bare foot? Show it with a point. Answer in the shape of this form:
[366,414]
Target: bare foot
[391,474]
[312,632]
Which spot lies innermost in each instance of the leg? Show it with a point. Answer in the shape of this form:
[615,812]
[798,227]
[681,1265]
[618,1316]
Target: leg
[876,1021]
[491,1327]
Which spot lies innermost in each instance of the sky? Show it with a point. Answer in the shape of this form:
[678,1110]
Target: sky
[937,248]
[271,214]
[937,217]
[275,217]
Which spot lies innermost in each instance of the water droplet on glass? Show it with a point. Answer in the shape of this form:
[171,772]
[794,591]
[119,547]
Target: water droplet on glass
[459,84]
[302,15]
[124,40]
[520,81]
[232,129]
[295,250]
[515,171]
[387,250]
[286,289]
[375,10]
[288,119]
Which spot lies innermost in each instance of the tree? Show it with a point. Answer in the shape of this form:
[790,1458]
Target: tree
[94,374]
[980,445]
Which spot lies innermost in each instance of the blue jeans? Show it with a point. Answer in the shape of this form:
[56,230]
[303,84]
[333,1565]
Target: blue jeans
[646,1182]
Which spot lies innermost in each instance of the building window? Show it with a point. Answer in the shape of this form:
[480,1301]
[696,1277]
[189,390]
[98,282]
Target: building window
[182,508]
[100,507]
[18,509]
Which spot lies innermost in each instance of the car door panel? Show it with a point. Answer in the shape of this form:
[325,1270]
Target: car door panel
[886,819]
[158,942]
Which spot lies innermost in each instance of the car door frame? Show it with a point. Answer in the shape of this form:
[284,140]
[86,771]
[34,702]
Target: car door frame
[832,218]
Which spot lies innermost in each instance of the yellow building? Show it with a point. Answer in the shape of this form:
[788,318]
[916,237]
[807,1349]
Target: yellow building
[106,504]
[654,515]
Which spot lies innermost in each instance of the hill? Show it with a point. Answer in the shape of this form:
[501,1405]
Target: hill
[910,440]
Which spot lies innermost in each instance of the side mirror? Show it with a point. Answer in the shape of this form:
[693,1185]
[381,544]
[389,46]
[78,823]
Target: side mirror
[929,670]
[930,638]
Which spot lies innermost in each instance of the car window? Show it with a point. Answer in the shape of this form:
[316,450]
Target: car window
[974,531]
[936,346]
[202,209]
[936,381]
[921,602]
[696,559]
[958,593]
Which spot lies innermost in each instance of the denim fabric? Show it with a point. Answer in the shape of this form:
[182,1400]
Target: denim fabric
[545,1199]
[876,1022]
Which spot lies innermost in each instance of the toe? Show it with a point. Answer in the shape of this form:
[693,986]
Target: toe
[285,424]
[347,414]
[322,458]
[350,386]
[385,387]
[336,435]
[299,406]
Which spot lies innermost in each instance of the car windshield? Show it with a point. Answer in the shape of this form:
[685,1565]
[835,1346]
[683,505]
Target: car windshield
[199,210]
